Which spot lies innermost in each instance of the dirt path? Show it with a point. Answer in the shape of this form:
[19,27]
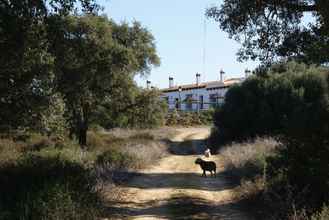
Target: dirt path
[174,188]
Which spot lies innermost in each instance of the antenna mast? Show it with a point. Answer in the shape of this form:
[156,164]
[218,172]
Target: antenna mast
[204,46]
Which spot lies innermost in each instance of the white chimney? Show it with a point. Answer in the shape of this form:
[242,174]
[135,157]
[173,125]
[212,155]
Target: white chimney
[222,75]
[198,77]
[171,82]
[148,84]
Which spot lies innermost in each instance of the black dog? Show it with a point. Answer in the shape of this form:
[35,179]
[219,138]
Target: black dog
[207,166]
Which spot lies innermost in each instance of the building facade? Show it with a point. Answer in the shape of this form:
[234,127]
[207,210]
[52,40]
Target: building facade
[198,96]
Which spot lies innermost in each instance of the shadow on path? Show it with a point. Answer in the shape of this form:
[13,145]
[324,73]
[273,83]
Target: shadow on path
[175,180]
[187,147]
[177,207]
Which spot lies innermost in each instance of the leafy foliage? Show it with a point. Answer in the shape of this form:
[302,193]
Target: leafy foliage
[269,29]
[291,102]
[46,188]
[294,103]
[132,107]
[62,52]
[86,81]
[27,66]
[175,118]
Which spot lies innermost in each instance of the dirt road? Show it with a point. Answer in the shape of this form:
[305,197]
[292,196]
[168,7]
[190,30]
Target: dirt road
[174,188]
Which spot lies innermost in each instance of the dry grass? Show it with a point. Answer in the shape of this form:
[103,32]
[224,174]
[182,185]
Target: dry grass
[121,152]
[249,189]
[127,150]
[157,134]
[10,151]
[145,154]
[321,215]
[239,156]
[247,162]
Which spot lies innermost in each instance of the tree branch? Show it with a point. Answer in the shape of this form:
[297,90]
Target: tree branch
[302,8]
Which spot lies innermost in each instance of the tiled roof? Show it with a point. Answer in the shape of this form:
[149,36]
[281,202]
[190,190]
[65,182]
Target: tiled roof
[210,84]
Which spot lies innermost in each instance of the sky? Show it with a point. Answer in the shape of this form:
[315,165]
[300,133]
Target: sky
[178,29]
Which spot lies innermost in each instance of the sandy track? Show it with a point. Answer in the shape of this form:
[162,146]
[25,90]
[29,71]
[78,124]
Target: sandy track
[174,188]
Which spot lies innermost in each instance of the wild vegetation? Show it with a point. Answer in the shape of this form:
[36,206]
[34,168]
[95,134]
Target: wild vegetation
[286,100]
[67,70]
[65,64]
[175,118]
[289,102]
[51,178]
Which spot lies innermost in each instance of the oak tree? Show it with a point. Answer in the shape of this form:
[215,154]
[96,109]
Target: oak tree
[272,29]
[91,52]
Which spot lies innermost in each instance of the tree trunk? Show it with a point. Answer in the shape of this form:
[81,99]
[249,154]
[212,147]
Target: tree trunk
[83,126]
[83,136]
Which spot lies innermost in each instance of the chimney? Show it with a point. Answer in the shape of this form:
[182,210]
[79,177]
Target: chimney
[198,77]
[247,73]
[148,84]
[222,75]
[171,82]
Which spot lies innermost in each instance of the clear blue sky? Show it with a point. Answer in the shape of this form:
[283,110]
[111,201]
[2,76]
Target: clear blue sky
[178,28]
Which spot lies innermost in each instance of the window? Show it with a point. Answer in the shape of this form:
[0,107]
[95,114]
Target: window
[201,102]
[177,104]
[189,101]
[213,99]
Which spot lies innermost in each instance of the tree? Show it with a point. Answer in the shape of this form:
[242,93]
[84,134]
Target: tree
[269,29]
[27,66]
[291,102]
[91,52]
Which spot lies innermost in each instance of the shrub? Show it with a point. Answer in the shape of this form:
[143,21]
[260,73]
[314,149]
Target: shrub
[292,103]
[142,136]
[175,118]
[102,141]
[285,103]
[114,159]
[305,165]
[321,215]
[46,188]
[10,151]
[144,154]
[248,158]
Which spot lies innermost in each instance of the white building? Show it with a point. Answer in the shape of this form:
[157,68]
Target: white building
[198,96]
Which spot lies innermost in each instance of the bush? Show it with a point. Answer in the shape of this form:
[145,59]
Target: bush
[46,188]
[10,151]
[305,165]
[248,159]
[293,104]
[175,118]
[289,103]
[114,159]
[97,141]
[321,215]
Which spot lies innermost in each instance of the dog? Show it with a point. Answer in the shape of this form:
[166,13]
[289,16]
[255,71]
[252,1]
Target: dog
[207,153]
[207,166]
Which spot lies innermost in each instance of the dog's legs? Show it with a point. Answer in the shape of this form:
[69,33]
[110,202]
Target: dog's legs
[204,173]
[215,173]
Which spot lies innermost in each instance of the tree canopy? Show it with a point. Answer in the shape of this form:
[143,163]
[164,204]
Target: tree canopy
[27,66]
[94,58]
[61,52]
[272,29]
